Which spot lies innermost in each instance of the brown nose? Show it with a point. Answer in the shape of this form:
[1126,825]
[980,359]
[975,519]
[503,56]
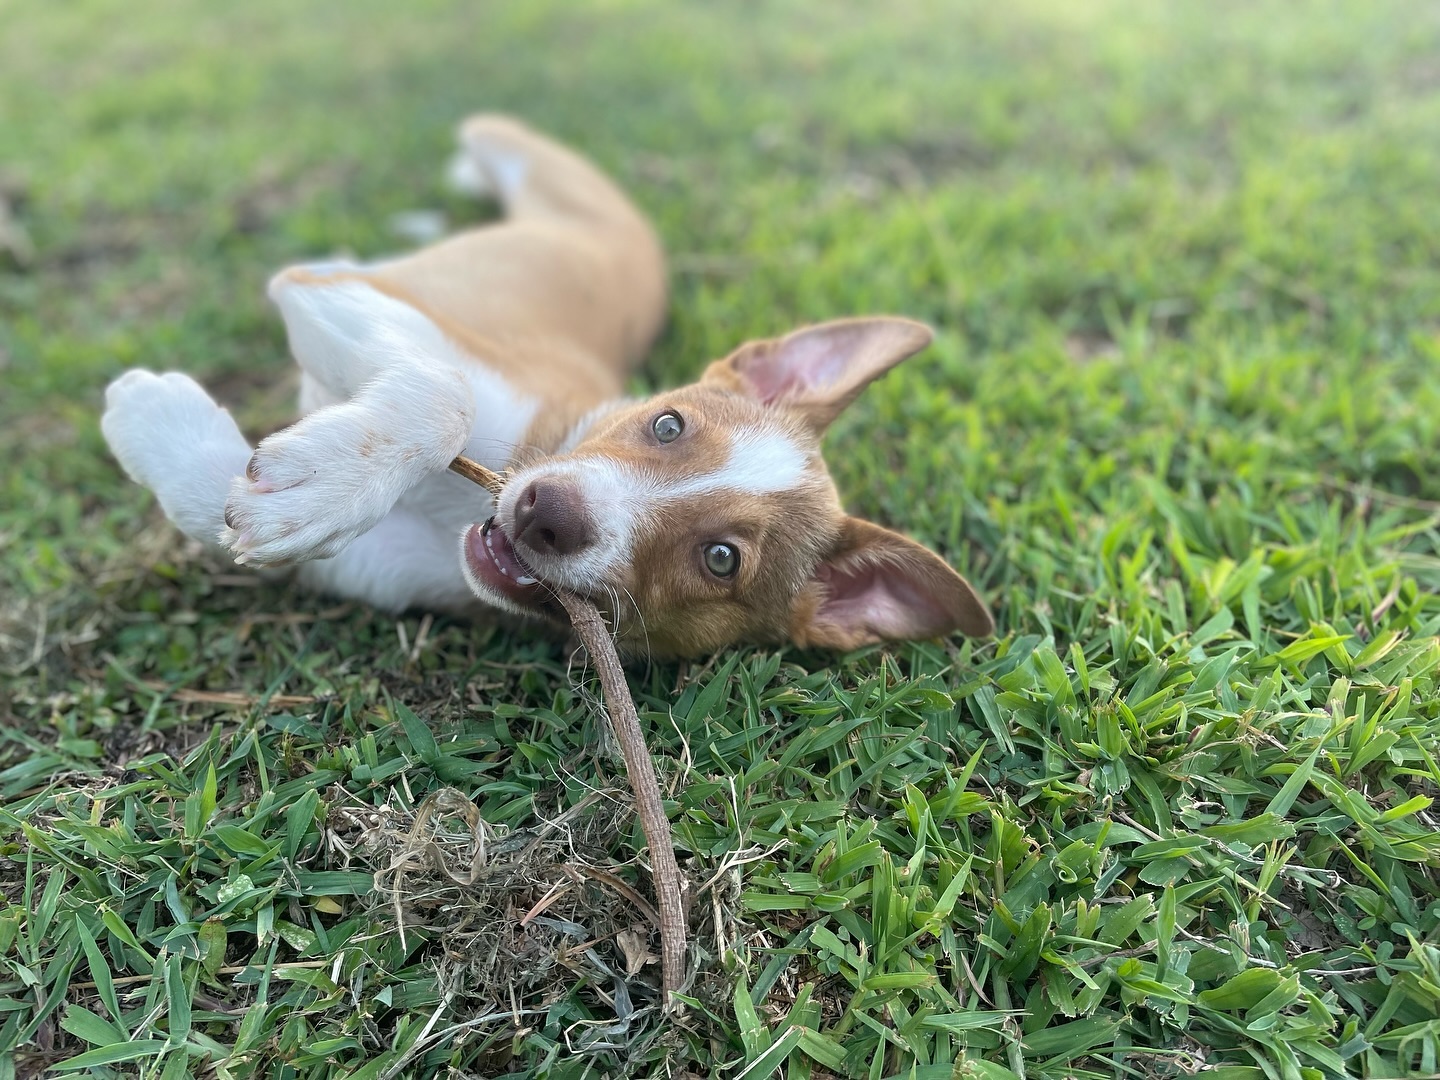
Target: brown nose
[550,518]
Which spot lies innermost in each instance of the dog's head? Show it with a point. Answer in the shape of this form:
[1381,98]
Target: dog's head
[705,516]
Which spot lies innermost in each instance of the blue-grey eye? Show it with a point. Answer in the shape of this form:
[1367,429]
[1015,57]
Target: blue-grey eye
[668,426]
[722,560]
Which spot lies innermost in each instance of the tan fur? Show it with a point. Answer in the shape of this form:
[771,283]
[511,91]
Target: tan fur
[561,298]
[877,346]
[669,604]
[794,543]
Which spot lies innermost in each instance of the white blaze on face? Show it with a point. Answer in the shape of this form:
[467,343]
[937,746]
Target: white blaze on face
[761,462]
[620,497]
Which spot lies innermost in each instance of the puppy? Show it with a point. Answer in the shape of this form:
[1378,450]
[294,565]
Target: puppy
[695,519]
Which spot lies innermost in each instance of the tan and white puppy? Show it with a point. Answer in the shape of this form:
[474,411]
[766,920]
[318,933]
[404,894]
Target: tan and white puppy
[695,519]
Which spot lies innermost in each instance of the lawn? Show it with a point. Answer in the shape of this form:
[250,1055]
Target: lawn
[1181,424]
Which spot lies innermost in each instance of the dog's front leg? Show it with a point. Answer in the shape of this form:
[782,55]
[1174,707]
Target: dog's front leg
[311,489]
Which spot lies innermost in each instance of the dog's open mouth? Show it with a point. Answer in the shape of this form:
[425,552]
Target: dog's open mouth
[494,563]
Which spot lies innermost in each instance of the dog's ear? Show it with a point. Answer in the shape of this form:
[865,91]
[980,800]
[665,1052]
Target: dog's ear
[819,370]
[877,585]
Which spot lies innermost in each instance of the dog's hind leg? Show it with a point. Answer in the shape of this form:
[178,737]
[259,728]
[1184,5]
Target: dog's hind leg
[534,176]
[571,258]
[170,436]
[345,333]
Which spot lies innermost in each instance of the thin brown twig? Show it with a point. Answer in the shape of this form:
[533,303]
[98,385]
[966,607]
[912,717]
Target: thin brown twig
[231,969]
[578,870]
[638,765]
[641,770]
[478,474]
[237,698]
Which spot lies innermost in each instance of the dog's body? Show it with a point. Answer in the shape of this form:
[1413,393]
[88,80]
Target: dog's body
[696,518]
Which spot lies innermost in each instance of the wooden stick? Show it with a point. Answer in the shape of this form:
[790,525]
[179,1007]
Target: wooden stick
[478,474]
[665,871]
[641,769]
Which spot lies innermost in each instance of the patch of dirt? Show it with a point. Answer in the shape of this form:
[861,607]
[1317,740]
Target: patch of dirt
[272,192]
[261,398]
[16,247]
[1083,346]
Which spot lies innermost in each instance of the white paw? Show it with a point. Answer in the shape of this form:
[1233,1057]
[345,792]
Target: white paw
[169,435]
[311,489]
[495,149]
[464,177]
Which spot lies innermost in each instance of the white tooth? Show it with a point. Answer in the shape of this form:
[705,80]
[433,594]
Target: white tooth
[525,579]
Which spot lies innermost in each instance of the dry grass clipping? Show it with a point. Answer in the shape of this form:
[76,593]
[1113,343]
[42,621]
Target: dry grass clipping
[638,766]
[518,915]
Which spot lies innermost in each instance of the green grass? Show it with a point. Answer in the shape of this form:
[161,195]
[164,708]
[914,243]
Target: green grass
[1181,424]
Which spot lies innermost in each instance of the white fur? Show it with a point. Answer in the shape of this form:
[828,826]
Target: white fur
[390,401]
[171,437]
[464,177]
[314,395]
[490,169]
[618,498]
[761,461]
[320,483]
[347,333]
[405,561]
[418,401]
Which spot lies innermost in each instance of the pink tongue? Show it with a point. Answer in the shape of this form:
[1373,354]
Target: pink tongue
[504,557]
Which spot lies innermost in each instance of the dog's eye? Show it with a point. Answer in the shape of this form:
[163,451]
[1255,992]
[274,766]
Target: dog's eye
[668,426]
[722,560]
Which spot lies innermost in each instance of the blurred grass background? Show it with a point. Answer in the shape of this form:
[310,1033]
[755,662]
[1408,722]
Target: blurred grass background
[1180,424]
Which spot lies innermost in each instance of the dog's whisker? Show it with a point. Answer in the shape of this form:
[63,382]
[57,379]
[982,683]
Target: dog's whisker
[644,630]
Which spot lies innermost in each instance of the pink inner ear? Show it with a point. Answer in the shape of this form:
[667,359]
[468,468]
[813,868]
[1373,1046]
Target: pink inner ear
[876,597]
[804,362]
